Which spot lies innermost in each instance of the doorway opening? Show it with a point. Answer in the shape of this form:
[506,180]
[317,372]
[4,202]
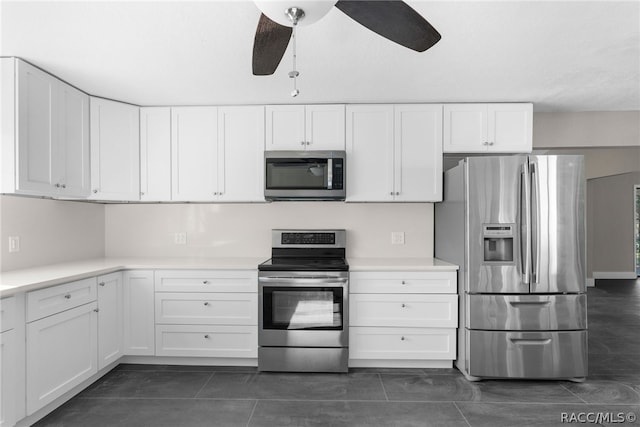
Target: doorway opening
[636,217]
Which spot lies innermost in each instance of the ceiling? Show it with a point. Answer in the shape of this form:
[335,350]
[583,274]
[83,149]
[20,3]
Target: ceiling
[562,56]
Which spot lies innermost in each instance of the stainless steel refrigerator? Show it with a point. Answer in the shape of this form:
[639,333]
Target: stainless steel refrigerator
[516,227]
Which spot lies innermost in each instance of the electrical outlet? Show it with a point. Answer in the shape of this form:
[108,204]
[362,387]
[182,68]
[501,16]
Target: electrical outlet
[180,238]
[397,237]
[14,243]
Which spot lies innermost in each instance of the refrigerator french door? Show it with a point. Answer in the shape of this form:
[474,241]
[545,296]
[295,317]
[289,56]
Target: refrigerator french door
[521,249]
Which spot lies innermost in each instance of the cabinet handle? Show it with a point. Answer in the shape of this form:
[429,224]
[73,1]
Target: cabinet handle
[402,338]
[101,284]
[404,283]
[206,303]
[404,305]
[68,296]
[205,282]
[96,310]
[206,336]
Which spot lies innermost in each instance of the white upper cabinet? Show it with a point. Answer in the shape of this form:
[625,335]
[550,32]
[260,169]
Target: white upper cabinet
[241,154]
[115,150]
[370,153]
[194,154]
[481,128]
[418,153]
[155,154]
[394,153]
[305,127]
[48,153]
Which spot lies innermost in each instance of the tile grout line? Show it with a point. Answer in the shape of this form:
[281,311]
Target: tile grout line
[460,411]
[204,385]
[564,387]
[253,410]
[384,391]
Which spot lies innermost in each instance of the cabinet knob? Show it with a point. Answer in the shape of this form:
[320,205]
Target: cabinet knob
[391,193]
[404,283]
[302,143]
[308,142]
[491,143]
[206,303]
[404,305]
[95,191]
[206,336]
[68,296]
[96,310]
[397,193]
[205,282]
[402,338]
[101,284]
[57,185]
[142,193]
[64,185]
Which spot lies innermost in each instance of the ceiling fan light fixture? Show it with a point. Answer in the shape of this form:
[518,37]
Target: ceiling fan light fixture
[276,10]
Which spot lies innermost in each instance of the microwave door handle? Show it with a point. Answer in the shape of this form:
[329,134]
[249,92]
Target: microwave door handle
[329,174]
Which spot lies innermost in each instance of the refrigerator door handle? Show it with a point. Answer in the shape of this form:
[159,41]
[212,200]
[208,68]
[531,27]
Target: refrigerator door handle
[535,224]
[525,224]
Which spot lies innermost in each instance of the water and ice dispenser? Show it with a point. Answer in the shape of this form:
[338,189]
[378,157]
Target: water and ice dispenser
[498,242]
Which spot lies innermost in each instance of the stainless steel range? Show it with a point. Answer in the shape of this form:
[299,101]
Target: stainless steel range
[303,303]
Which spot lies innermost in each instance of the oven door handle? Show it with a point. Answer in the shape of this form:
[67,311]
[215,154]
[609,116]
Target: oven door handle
[304,280]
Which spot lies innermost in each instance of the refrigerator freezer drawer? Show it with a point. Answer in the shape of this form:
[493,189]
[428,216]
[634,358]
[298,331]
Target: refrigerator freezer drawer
[542,355]
[527,312]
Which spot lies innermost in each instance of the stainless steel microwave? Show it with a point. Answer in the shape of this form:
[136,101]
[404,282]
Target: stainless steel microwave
[304,175]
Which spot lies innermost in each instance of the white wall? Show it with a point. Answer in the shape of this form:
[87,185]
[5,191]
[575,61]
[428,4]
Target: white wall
[219,230]
[610,226]
[50,231]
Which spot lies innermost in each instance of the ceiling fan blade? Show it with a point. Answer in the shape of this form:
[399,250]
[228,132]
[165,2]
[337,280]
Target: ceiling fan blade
[269,45]
[394,20]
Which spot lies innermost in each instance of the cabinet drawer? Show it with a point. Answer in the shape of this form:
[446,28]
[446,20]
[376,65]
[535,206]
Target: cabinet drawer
[411,282]
[207,308]
[48,301]
[402,343]
[207,341]
[413,310]
[206,281]
[527,354]
[7,313]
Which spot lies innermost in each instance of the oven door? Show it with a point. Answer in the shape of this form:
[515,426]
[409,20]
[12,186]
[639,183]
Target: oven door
[303,311]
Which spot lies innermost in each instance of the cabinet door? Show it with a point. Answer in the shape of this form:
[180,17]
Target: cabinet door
[8,378]
[465,128]
[139,335]
[194,153]
[324,127]
[418,153]
[61,354]
[115,154]
[36,130]
[369,153]
[241,154]
[285,127]
[155,154]
[72,171]
[510,128]
[110,318]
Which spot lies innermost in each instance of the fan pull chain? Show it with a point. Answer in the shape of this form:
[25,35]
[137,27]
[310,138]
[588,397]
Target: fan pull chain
[293,73]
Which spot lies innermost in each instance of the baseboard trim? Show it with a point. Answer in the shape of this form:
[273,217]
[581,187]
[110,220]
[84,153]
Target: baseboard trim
[614,275]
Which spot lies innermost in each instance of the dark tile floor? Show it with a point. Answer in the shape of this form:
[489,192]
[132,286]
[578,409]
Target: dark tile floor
[181,396]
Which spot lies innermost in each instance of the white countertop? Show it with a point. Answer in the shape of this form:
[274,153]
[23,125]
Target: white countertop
[12,282]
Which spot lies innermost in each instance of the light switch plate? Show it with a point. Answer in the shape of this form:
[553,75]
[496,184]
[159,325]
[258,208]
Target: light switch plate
[397,237]
[14,243]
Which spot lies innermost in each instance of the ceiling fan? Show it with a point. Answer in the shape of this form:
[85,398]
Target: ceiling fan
[394,20]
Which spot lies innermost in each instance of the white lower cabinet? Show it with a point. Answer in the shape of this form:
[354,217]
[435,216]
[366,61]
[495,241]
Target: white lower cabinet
[8,378]
[139,335]
[402,317]
[62,352]
[206,313]
[110,318]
